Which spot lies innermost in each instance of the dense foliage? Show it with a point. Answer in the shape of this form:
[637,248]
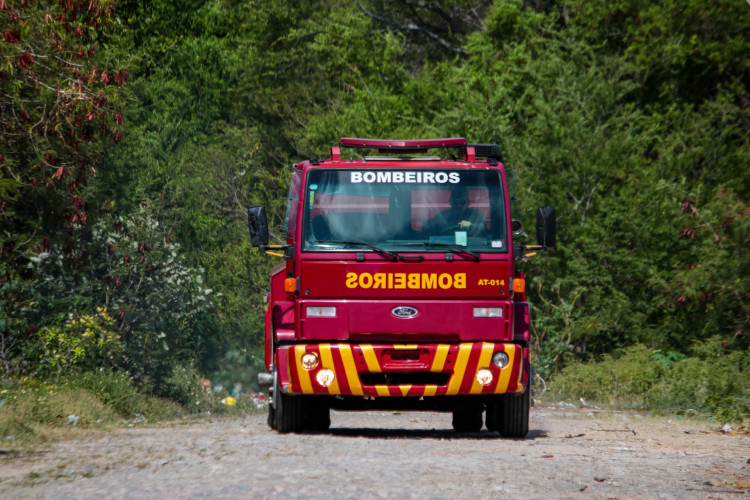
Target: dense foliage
[630,117]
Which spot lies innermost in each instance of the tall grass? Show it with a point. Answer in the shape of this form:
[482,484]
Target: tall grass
[33,410]
[708,381]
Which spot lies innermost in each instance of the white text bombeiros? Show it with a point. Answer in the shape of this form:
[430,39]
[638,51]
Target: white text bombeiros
[399,177]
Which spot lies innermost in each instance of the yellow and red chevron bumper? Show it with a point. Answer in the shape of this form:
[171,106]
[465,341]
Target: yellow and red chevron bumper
[458,363]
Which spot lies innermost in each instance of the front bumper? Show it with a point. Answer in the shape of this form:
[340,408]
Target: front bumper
[403,370]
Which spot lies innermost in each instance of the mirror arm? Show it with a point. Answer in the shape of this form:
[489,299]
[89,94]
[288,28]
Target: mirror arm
[266,250]
[523,251]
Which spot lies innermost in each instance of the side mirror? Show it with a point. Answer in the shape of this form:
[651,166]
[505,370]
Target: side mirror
[546,226]
[258,225]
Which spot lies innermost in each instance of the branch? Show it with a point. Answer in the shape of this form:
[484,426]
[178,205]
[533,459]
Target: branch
[412,27]
[471,12]
[578,201]
[413,7]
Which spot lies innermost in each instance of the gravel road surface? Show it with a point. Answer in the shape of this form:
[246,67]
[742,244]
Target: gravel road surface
[569,453]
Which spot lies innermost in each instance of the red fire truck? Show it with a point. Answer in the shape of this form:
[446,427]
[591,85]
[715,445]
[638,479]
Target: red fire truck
[398,289]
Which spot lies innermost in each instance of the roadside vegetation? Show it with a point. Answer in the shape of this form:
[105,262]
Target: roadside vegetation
[136,134]
[707,383]
[34,410]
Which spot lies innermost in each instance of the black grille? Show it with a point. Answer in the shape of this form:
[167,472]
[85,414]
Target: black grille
[421,378]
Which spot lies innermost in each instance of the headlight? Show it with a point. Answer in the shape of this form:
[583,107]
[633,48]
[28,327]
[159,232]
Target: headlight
[321,312]
[500,359]
[309,361]
[488,312]
[484,376]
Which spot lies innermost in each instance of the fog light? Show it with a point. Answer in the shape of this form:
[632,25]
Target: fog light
[321,312]
[488,312]
[484,376]
[500,359]
[324,377]
[309,361]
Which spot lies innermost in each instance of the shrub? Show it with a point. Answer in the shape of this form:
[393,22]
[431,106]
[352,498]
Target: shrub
[156,314]
[117,391]
[183,386]
[34,410]
[51,405]
[709,380]
[622,378]
[85,341]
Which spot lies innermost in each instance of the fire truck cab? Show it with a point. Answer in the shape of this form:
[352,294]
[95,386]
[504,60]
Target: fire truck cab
[397,288]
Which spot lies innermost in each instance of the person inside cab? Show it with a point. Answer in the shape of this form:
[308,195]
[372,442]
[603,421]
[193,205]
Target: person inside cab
[460,217]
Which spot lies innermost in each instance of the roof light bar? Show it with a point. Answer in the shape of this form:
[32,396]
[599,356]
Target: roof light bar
[416,145]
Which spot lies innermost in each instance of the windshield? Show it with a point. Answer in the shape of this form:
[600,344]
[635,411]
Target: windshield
[426,210]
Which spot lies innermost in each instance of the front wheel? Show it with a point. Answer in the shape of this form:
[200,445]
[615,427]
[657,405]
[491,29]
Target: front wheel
[271,420]
[468,420]
[319,417]
[288,411]
[509,414]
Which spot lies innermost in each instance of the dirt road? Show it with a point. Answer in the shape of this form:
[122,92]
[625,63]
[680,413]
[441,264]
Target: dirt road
[568,454]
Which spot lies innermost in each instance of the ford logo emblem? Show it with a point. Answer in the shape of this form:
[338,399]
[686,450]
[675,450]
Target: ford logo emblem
[404,312]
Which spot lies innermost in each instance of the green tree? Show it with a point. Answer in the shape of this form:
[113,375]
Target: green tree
[60,107]
[674,49]
[583,135]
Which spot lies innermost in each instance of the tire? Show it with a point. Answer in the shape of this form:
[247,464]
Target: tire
[289,411]
[492,416]
[271,420]
[509,414]
[467,420]
[319,417]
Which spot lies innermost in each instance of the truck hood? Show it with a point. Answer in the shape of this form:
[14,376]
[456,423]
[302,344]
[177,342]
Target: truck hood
[403,301]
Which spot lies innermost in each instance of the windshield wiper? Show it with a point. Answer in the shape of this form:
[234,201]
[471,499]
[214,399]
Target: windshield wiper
[392,255]
[450,246]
